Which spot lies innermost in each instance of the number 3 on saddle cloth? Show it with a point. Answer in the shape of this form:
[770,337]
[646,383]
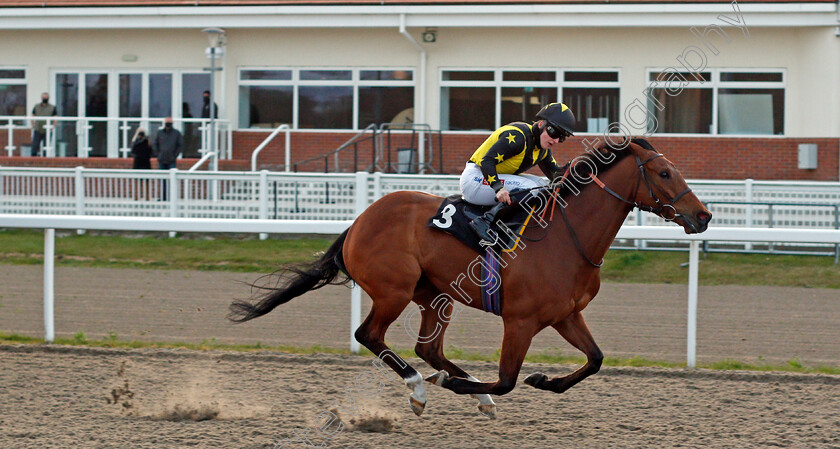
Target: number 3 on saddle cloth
[453,217]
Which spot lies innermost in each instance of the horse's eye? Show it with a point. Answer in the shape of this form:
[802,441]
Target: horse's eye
[664,175]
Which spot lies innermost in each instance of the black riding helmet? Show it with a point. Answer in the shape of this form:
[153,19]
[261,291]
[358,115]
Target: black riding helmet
[559,115]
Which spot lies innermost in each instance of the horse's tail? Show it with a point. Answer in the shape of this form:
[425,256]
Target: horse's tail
[293,282]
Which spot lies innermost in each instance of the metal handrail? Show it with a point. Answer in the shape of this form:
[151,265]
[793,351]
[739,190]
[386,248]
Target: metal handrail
[351,141]
[83,126]
[207,156]
[268,139]
[414,128]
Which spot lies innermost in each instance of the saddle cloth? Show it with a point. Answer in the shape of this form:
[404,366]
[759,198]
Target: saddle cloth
[455,214]
[453,217]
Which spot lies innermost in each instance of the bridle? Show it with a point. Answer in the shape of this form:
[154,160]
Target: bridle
[660,208]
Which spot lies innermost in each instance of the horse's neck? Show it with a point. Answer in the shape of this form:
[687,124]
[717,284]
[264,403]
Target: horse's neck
[595,215]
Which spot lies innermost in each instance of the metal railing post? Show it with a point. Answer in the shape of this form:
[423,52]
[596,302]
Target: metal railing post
[836,226]
[174,192]
[693,277]
[49,283]
[361,202]
[770,225]
[377,185]
[79,176]
[263,199]
[49,148]
[10,148]
[748,212]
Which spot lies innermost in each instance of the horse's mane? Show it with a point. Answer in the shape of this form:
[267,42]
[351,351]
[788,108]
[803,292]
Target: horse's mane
[588,163]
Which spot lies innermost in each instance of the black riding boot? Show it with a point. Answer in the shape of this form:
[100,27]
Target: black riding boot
[481,225]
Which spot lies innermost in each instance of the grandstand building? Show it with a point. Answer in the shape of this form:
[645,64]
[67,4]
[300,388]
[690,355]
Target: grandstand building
[725,90]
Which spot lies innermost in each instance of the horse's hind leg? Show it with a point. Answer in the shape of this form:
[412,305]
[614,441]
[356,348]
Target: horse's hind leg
[371,334]
[517,339]
[435,315]
[574,330]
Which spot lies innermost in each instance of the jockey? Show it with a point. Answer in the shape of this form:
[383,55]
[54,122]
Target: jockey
[495,169]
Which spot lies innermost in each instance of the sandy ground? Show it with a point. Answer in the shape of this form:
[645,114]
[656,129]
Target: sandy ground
[71,397]
[64,397]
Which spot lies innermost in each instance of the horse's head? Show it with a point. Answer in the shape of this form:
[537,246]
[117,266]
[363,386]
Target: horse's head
[663,191]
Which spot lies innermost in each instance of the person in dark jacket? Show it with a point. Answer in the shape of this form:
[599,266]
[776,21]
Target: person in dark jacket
[141,150]
[167,146]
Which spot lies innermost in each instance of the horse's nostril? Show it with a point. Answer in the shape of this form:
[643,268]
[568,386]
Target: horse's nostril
[704,217]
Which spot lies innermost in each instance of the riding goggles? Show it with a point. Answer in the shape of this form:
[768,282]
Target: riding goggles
[556,133]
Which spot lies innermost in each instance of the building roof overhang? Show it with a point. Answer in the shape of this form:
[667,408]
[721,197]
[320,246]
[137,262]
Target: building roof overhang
[463,15]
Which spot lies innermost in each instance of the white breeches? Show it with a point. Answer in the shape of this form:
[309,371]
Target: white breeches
[477,191]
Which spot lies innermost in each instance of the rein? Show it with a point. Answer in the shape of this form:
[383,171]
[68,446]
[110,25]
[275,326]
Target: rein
[659,210]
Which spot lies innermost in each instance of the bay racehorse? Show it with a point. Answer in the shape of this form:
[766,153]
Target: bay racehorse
[397,259]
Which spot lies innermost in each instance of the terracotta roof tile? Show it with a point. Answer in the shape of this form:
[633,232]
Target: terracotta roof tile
[112,3]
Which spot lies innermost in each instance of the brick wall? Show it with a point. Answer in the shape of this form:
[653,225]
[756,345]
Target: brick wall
[696,157]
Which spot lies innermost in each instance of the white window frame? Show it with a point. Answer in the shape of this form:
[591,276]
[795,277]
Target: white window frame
[295,82]
[19,82]
[715,84]
[498,83]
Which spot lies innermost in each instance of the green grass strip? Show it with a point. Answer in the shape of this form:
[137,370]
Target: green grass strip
[452,352]
[248,254]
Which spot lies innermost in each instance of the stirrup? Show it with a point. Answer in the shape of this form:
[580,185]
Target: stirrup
[481,226]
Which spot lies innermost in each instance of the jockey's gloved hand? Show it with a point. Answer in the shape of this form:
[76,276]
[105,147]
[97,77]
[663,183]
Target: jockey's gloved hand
[503,196]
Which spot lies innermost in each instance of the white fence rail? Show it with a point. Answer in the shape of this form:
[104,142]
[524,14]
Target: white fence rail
[52,222]
[315,196]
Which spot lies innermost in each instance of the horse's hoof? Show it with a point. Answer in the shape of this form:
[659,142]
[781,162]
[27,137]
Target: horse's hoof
[416,406]
[535,379]
[438,378]
[488,410]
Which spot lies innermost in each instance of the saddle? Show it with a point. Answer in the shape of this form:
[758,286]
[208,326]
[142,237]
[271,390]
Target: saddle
[455,214]
[453,217]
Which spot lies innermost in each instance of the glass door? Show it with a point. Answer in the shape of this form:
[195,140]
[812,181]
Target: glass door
[130,105]
[96,106]
[67,105]
[144,98]
[193,86]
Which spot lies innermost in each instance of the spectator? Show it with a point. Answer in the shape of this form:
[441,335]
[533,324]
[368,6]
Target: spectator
[42,109]
[205,109]
[141,150]
[168,145]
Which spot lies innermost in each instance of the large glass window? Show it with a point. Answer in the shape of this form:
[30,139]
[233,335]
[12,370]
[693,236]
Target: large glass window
[326,107]
[379,105]
[12,91]
[325,98]
[96,106]
[160,95]
[265,106]
[718,101]
[477,99]
[67,105]
[521,104]
[467,108]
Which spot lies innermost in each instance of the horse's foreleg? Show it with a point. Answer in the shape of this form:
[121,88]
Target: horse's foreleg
[574,330]
[430,348]
[515,345]
[371,334]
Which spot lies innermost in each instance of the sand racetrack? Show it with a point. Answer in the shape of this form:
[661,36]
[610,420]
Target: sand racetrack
[57,398]
[69,397]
